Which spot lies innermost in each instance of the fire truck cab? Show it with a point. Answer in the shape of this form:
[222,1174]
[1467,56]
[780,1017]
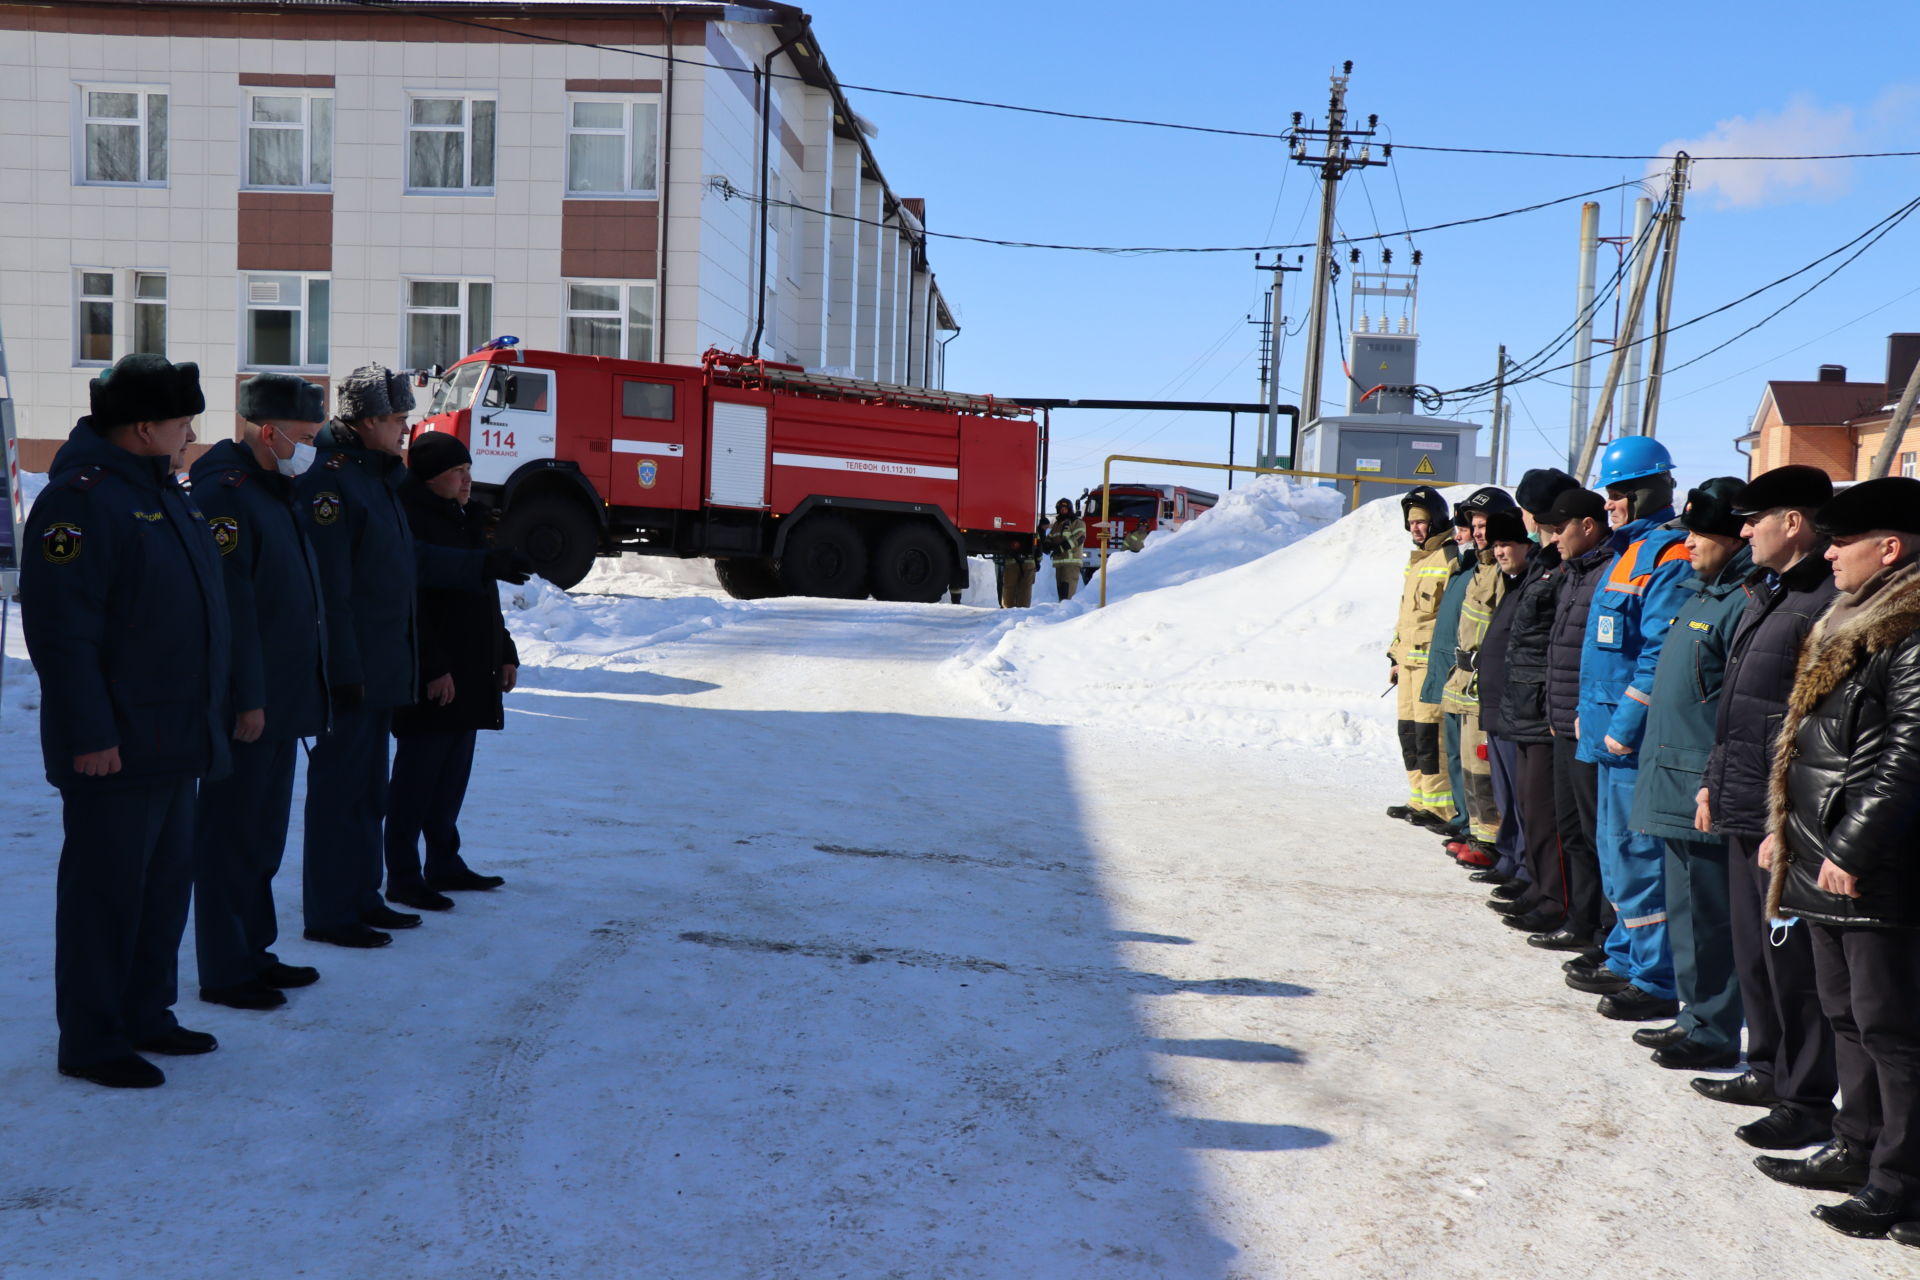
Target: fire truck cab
[1133,506]
[793,483]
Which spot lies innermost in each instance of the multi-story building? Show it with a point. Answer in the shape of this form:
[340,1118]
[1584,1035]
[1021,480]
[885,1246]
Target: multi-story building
[310,185]
[1833,423]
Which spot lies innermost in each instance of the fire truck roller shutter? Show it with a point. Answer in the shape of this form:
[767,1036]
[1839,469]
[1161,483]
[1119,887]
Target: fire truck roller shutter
[551,514]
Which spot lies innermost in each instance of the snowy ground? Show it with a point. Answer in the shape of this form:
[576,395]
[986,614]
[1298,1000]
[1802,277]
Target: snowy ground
[862,940]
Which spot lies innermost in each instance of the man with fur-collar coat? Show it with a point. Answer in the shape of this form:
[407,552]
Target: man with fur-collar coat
[1844,848]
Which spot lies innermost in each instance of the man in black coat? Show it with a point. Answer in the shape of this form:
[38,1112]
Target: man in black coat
[1789,1043]
[126,623]
[1843,844]
[467,662]
[1509,549]
[245,487]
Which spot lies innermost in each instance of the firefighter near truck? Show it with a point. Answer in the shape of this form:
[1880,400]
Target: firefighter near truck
[793,483]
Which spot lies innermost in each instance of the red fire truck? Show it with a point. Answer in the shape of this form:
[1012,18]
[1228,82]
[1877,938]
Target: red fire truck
[794,483]
[1155,506]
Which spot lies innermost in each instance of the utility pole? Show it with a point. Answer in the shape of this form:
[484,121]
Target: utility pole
[1636,300]
[1269,451]
[1643,243]
[1334,163]
[1663,313]
[1583,330]
[1497,454]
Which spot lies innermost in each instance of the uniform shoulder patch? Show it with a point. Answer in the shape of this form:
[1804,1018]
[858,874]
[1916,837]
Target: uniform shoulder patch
[60,543]
[335,461]
[226,533]
[326,508]
[86,478]
[233,479]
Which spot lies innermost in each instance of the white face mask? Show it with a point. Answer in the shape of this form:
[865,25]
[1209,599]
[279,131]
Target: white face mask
[303,456]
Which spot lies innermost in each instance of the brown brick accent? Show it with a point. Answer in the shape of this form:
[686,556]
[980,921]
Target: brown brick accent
[268,23]
[609,239]
[271,80]
[613,86]
[285,231]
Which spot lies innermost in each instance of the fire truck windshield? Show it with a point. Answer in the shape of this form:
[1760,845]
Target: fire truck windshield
[455,391]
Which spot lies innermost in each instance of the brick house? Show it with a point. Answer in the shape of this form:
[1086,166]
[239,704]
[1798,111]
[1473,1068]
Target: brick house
[1832,423]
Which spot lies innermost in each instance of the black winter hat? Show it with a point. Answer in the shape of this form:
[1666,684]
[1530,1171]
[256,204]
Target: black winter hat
[434,452]
[1506,526]
[1483,502]
[1575,504]
[1428,499]
[145,388]
[1793,486]
[281,397]
[1891,502]
[1538,488]
[1714,507]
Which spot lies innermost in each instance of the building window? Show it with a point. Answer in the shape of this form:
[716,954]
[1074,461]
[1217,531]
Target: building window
[97,293]
[287,321]
[446,319]
[289,139]
[1907,465]
[150,313]
[123,135]
[608,318]
[93,318]
[613,147]
[450,144]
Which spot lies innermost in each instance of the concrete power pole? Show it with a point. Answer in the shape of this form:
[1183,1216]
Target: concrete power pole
[1663,313]
[1583,333]
[1501,427]
[1269,452]
[1334,164]
[1643,240]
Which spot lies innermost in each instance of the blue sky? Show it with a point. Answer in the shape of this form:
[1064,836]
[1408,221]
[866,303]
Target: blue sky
[1758,79]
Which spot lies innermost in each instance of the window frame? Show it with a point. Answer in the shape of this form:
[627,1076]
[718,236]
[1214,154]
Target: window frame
[81,300]
[141,123]
[303,339]
[138,301]
[466,98]
[464,310]
[625,310]
[248,124]
[628,102]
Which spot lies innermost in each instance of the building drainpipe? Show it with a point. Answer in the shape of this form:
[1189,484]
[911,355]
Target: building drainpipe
[766,159]
[666,206]
[943,356]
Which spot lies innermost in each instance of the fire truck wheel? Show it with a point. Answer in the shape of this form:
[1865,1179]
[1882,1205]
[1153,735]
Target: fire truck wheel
[824,556]
[913,561]
[748,578]
[555,532]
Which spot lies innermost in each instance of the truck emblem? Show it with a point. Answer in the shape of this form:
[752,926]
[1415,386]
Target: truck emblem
[649,472]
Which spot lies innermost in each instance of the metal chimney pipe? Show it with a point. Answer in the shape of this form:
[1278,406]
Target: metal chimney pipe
[1583,336]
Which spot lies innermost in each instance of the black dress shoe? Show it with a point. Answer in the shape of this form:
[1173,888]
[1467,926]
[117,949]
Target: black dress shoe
[384,917]
[464,880]
[289,975]
[420,898]
[1742,1090]
[1539,920]
[1692,1055]
[1511,906]
[1489,876]
[1838,1166]
[244,995]
[179,1042]
[1561,939]
[1636,1005]
[351,935]
[1869,1213]
[129,1072]
[1600,982]
[1787,1128]
[1509,889]
[1659,1037]
[1907,1233]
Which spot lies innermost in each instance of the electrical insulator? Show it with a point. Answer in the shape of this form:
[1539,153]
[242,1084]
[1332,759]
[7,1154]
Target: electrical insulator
[1296,119]
[1347,67]
[1386,257]
[1416,257]
[1373,122]
[1386,151]
[1353,256]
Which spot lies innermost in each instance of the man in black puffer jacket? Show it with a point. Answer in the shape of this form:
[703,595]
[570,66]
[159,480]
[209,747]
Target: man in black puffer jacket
[1843,844]
[467,662]
[1789,1044]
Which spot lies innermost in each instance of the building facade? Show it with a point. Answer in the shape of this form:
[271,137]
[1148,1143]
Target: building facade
[312,185]
[1832,422]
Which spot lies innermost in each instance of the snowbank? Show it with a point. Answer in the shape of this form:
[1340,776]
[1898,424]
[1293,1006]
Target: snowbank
[1265,623]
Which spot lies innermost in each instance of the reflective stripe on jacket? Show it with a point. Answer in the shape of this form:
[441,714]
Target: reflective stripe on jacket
[1632,609]
[1428,567]
[1476,613]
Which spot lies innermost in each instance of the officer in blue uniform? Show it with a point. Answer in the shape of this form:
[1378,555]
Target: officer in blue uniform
[1633,605]
[370,568]
[126,623]
[245,488]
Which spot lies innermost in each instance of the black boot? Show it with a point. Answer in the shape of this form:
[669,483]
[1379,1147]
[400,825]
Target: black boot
[358,936]
[1692,1055]
[1787,1128]
[464,879]
[289,975]
[1838,1166]
[1633,1004]
[1869,1213]
[1561,939]
[244,995]
[419,897]
[1401,812]
[178,1041]
[1742,1090]
[384,917]
[130,1072]
[1601,982]
[1907,1233]
[1540,921]
[1659,1037]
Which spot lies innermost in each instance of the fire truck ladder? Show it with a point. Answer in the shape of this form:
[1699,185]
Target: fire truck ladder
[743,371]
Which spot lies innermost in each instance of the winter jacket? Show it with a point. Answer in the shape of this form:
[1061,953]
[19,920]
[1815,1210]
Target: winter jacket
[1422,585]
[1476,613]
[1845,784]
[1494,660]
[462,633]
[1069,544]
[273,591]
[1687,688]
[1632,608]
[1522,712]
[125,620]
[1762,656]
[1446,624]
[1572,603]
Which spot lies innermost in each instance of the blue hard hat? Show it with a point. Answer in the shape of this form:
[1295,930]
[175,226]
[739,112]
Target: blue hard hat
[1632,458]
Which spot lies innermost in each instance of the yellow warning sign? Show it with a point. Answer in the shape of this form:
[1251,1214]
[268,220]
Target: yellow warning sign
[1426,466]
[1383,366]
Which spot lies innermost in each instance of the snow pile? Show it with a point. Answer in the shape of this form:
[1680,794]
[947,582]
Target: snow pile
[1265,623]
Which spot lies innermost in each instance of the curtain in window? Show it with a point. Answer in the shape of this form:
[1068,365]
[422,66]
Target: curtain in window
[593,335]
[319,320]
[434,160]
[322,126]
[639,323]
[113,152]
[273,157]
[593,162]
[646,145]
[479,314]
[156,137]
[482,144]
[432,338]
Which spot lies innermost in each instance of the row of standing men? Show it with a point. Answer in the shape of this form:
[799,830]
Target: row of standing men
[314,582]
[1687,748]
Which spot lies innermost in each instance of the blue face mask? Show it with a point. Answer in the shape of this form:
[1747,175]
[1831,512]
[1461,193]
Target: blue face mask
[303,456]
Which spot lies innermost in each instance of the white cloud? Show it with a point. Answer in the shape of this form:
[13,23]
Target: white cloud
[1802,127]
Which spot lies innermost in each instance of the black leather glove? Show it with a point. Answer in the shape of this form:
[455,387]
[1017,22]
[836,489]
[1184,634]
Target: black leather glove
[1466,659]
[348,697]
[507,564]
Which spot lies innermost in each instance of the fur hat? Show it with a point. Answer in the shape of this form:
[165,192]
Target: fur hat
[1714,507]
[1790,486]
[145,388]
[281,397]
[1506,526]
[372,391]
[434,452]
[1575,504]
[1538,488]
[1891,503]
